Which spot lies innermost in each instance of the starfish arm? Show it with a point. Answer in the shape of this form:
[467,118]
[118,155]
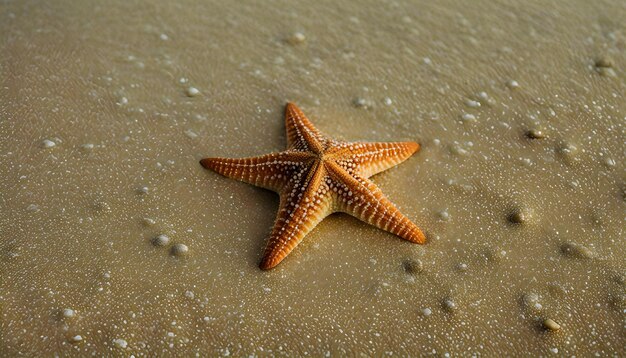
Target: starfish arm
[303,204]
[271,171]
[301,134]
[362,199]
[373,158]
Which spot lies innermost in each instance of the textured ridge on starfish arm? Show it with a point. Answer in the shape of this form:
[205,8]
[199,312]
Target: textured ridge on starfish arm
[271,171]
[378,157]
[362,199]
[301,134]
[302,206]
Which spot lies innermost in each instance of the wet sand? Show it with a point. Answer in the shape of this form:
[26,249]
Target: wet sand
[519,185]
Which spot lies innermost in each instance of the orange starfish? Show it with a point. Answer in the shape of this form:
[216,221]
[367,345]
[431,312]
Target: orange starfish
[317,176]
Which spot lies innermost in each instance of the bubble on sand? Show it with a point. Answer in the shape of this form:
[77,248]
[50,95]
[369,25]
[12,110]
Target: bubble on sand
[179,250]
[120,343]
[457,149]
[468,117]
[577,251]
[47,143]
[161,240]
[484,98]
[551,325]
[412,266]
[192,91]
[69,313]
[443,215]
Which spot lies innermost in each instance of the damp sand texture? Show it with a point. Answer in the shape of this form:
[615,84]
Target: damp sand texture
[115,241]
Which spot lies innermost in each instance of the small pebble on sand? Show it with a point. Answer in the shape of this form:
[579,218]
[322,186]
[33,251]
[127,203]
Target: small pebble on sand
[413,266]
[120,343]
[606,71]
[512,84]
[122,101]
[143,190]
[296,38]
[161,240]
[449,305]
[32,207]
[192,92]
[191,134]
[604,66]
[47,143]
[77,338]
[444,215]
[535,134]
[462,267]
[361,102]
[427,312]
[69,313]
[568,151]
[87,146]
[531,301]
[468,117]
[551,324]
[604,62]
[610,162]
[388,101]
[473,104]
[577,251]
[518,216]
[179,250]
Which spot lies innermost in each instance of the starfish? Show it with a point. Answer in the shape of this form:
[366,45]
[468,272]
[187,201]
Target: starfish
[317,176]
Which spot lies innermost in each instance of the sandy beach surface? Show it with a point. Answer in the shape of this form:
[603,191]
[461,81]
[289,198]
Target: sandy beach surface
[106,108]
